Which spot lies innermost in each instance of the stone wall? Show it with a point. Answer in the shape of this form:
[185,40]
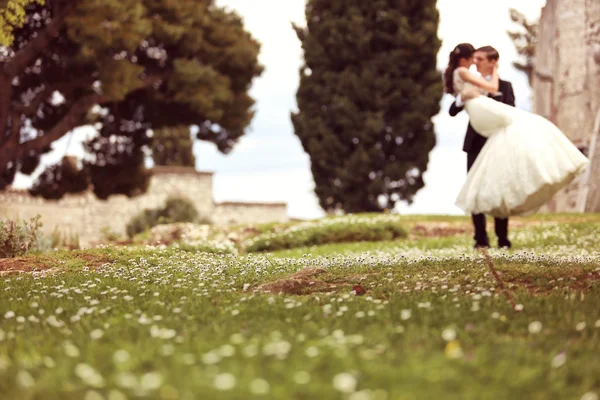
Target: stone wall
[249,213]
[566,86]
[87,216]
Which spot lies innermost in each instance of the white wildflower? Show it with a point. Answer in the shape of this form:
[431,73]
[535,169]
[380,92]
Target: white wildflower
[559,360]
[225,381]
[590,396]
[344,382]
[126,380]
[449,334]
[121,356]
[71,350]
[25,380]
[236,338]
[89,375]
[151,381]
[210,358]
[362,395]
[96,334]
[405,314]
[4,363]
[49,362]
[93,395]
[250,350]
[302,377]
[227,350]
[312,351]
[535,327]
[259,386]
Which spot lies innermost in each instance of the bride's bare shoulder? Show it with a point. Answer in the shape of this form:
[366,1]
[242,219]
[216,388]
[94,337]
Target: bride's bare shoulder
[462,71]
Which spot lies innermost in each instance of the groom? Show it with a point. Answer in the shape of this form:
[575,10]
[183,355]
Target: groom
[485,58]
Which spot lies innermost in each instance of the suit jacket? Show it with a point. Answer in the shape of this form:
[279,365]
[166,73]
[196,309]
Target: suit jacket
[474,141]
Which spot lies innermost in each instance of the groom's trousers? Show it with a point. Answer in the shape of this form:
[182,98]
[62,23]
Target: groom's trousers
[479,222]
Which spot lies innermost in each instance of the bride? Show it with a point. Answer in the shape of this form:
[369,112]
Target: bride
[526,158]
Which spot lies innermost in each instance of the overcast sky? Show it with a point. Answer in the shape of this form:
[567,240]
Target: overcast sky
[269,165]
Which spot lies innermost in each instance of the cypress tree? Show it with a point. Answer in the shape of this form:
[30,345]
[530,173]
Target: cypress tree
[368,90]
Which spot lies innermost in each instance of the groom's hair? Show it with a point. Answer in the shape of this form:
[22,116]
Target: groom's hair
[492,53]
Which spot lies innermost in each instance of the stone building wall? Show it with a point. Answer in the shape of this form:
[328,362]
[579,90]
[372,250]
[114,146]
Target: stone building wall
[249,213]
[566,86]
[86,216]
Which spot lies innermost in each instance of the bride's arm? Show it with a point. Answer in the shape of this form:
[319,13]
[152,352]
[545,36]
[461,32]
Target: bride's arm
[491,86]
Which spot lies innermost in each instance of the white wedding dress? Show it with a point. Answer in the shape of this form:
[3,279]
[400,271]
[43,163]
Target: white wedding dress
[524,162]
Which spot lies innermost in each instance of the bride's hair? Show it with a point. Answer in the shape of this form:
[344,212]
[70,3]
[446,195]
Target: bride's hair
[463,50]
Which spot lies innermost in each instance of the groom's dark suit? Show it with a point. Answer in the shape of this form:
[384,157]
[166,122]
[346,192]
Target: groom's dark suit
[472,146]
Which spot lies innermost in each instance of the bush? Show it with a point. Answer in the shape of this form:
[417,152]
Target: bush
[176,209]
[61,240]
[108,234]
[17,238]
[142,222]
[330,230]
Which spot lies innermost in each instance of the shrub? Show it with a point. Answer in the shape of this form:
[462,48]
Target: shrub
[108,234]
[61,240]
[330,230]
[17,238]
[176,209]
[142,222]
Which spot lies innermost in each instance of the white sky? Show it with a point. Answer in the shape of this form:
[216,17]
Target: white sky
[269,164]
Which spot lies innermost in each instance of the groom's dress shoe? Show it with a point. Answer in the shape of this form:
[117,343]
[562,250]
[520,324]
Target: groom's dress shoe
[505,244]
[482,246]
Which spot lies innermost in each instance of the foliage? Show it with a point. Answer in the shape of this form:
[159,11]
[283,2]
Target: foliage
[173,146]
[525,40]
[175,209]
[368,90]
[62,240]
[127,67]
[18,237]
[12,15]
[59,179]
[108,234]
[332,230]
[117,165]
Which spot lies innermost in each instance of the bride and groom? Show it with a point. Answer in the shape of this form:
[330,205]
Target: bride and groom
[516,160]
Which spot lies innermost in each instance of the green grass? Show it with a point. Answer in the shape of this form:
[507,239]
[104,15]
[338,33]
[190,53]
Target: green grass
[354,228]
[173,324]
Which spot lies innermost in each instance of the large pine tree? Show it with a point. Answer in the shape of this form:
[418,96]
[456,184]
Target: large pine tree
[129,67]
[368,90]
[12,15]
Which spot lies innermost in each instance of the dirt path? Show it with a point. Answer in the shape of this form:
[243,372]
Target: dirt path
[48,264]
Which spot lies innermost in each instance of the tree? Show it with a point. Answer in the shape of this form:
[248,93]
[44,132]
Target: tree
[129,67]
[172,146]
[368,90]
[524,39]
[12,15]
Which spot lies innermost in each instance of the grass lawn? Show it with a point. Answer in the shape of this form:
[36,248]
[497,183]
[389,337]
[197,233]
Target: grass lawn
[165,323]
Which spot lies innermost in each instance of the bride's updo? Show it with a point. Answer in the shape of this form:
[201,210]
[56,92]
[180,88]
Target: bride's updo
[463,50]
